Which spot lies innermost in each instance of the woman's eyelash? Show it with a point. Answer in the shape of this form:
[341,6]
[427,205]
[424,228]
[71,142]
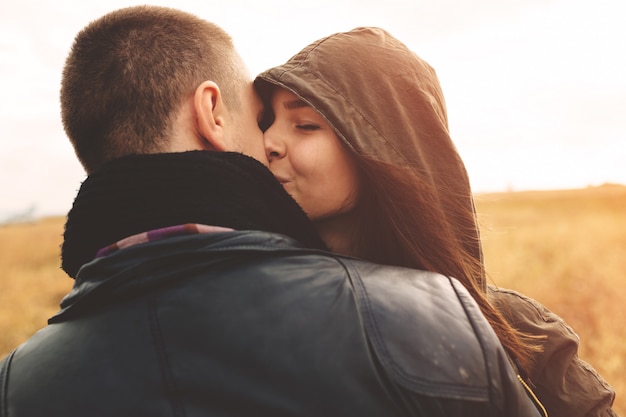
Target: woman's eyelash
[308,127]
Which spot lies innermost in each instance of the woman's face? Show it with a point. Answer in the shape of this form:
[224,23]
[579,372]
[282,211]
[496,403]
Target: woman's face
[309,160]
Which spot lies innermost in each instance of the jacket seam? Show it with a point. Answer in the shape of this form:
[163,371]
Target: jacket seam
[479,336]
[167,377]
[4,384]
[371,327]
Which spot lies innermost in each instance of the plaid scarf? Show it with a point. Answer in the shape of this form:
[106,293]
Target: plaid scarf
[158,234]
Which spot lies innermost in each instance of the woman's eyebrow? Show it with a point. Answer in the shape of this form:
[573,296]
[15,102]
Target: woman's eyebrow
[294,104]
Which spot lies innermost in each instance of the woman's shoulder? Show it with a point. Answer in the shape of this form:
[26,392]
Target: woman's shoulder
[565,384]
[521,309]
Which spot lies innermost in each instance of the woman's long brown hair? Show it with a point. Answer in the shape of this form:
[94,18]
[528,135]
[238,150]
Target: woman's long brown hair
[403,223]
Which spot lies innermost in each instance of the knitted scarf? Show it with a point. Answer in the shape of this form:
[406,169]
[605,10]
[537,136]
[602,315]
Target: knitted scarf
[139,193]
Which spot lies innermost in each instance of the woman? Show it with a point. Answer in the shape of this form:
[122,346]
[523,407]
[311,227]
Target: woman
[358,135]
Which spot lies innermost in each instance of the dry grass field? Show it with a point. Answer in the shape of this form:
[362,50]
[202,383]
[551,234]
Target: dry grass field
[31,280]
[567,249]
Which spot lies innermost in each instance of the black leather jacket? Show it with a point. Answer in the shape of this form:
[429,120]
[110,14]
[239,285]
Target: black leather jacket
[251,324]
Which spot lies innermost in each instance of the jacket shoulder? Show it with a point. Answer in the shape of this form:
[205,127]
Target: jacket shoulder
[426,330]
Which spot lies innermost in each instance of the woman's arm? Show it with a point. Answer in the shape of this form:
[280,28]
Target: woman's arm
[566,385]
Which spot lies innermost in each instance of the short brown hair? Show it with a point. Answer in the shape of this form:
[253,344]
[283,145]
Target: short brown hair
[129,72]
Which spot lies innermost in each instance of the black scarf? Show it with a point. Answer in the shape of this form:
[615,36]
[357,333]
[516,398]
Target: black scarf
[137,193]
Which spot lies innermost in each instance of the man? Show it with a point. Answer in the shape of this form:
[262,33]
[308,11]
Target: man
[201,288]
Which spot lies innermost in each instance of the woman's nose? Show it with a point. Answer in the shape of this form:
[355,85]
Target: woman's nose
[274,147]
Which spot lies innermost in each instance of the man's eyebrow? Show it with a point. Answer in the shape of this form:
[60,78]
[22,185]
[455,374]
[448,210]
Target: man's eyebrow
[294,104]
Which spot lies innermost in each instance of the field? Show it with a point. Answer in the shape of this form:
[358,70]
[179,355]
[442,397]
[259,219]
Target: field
[567,249]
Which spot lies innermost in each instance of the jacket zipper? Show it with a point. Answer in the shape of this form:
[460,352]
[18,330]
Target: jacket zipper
[532,395]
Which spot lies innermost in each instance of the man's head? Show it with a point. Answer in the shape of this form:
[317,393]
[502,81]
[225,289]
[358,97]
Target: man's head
[152,79]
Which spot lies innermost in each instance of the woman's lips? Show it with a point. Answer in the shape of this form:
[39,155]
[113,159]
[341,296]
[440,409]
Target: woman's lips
[282,180]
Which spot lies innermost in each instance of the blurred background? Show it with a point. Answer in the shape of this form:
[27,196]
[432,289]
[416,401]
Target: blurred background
[536,89]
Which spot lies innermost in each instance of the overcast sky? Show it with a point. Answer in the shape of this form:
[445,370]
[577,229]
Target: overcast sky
[536,89]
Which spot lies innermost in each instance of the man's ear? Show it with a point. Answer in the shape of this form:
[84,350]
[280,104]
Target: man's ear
[210,115]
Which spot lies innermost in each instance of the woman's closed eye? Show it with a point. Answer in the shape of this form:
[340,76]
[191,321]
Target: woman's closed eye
[308,126]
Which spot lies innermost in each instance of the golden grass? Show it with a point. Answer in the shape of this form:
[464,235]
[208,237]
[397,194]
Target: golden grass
[566,249]
[31,280]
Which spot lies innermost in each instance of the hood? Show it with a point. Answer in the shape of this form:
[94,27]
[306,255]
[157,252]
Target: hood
[385,103]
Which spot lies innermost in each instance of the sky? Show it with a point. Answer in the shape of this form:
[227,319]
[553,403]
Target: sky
[535,89]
